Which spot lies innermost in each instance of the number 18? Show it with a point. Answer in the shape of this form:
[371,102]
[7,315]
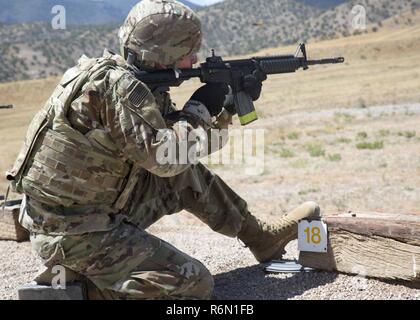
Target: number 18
[313,235]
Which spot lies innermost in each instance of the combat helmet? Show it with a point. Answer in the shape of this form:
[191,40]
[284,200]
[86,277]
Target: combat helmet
[159,32]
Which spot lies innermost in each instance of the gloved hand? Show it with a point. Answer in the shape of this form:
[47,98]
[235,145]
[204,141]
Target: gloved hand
[252,84]
[223,120]
[231,109]
[212,95]
[199,111]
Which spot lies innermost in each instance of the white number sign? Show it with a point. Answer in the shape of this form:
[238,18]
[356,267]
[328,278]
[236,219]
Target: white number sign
[312,236]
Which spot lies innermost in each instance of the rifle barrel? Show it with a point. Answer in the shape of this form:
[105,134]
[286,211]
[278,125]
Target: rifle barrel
[326,61]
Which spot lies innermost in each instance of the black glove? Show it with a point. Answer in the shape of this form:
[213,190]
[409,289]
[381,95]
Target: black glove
[252,84]
[231,109]
[212,95]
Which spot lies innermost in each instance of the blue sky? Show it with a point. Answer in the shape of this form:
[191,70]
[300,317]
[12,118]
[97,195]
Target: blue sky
[205,2]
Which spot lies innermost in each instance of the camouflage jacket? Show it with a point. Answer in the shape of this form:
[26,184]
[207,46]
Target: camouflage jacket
[86,147]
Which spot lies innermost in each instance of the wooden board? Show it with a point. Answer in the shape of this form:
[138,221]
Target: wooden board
[371,244]
[10,228]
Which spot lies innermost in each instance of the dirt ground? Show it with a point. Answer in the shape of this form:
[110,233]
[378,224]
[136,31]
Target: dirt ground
[237,275]
[345,136]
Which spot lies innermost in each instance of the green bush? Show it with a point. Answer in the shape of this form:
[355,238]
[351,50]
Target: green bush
[305,192]
[293,136]
[370,145]
[346,116]
[343,140]
[407,134]
[334,157]
[300,164]
[286,153]
[362,135]
[316,150]
[384,132]
[361,102]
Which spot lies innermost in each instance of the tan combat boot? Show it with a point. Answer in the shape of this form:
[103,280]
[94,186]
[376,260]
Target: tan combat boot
[267,240]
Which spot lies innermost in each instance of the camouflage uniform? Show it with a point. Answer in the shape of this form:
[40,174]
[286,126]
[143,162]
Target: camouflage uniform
[127,262]
[92,182]
[90,171]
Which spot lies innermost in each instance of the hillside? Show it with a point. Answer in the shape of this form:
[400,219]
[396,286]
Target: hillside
[322,4]
[236,27]
[34,50]
[77,11]
[231,27]
[336,21]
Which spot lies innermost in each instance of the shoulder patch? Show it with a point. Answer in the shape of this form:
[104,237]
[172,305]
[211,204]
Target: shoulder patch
[138,95]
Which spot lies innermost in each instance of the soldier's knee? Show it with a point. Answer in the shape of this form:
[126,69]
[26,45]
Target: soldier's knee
[207,284]
[201,286]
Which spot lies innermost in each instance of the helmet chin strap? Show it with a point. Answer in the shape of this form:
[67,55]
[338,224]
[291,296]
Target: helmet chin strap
[131,58]
[133,62]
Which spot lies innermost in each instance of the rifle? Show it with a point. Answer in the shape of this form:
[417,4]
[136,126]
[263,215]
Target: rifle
[6,107]
[232,73]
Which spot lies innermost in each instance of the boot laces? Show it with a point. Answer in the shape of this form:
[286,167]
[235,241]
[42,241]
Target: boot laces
[280,225]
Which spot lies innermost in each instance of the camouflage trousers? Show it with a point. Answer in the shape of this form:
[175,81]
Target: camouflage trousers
[128,262]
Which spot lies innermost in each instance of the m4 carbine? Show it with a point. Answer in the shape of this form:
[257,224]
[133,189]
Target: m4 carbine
[232,73]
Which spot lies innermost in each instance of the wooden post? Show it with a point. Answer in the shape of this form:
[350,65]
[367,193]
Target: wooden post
[10,228]
[371,244]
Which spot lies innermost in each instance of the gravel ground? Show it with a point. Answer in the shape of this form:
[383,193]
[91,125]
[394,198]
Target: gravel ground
[237,274]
